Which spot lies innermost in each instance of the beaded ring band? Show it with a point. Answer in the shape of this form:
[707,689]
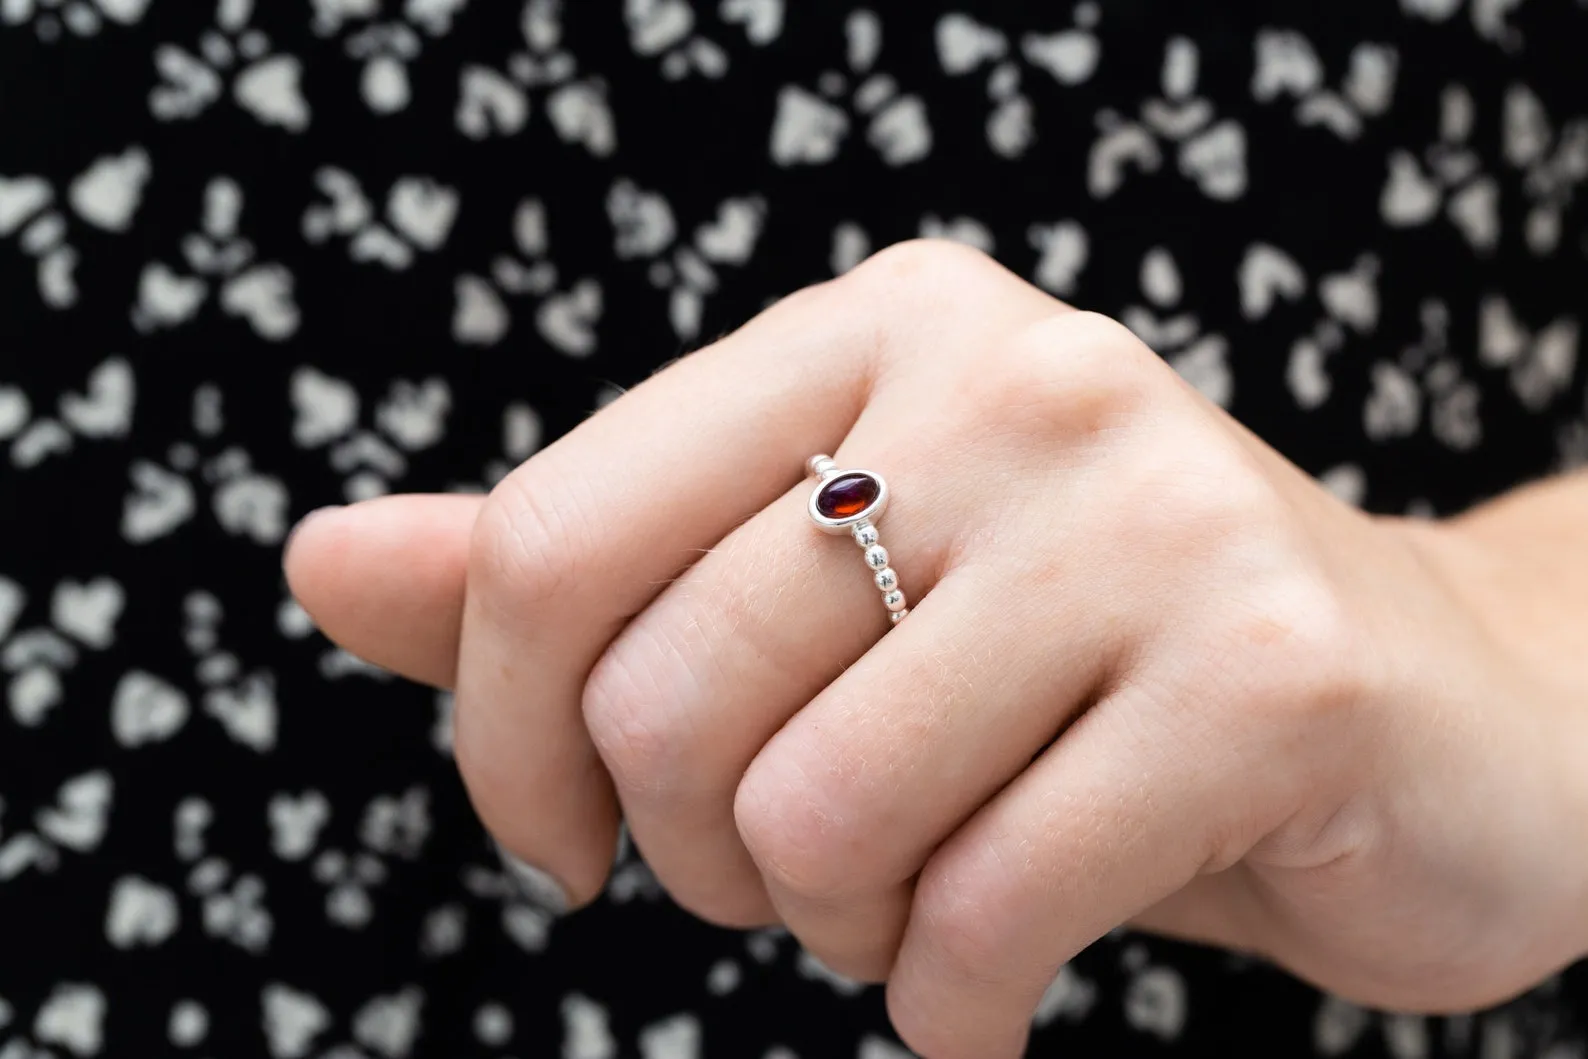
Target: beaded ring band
[851,502]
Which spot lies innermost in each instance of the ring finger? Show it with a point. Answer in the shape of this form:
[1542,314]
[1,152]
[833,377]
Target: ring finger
[688,693]
[695,686]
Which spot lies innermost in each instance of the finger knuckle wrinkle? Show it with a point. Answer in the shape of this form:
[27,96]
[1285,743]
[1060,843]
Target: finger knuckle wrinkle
[529,544]
[632,720]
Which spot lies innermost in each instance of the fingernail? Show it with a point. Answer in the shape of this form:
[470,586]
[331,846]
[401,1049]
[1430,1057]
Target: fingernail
[535,885]
[292,534]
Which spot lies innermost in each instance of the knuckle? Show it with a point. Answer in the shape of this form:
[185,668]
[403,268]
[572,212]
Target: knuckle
[1204,501]
[630,719]
[788,834]
[1074,374]
[1085,332]
[922,263]
[882,302]
[964,915]
[528,545]
[1090,362]
[872,310]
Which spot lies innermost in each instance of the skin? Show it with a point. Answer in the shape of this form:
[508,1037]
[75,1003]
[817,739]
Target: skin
[1153,673]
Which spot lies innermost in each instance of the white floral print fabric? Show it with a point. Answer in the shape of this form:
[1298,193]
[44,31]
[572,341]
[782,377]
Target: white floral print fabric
[259,257]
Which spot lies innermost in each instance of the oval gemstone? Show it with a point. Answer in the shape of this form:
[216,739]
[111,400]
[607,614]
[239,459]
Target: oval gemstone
[848,495]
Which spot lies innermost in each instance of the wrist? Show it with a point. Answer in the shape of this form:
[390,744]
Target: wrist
[1501,649]
[1512,585]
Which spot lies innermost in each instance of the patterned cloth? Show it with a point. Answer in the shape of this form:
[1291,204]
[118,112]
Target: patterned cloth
[259,257]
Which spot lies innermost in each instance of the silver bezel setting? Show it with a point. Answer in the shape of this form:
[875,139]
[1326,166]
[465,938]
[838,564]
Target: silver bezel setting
[862,527]
[843,525]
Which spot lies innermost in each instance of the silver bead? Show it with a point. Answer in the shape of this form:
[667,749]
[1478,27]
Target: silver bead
[865,534]
[894,600]
[824,468]
[887,580]
[897,616]
[877,557]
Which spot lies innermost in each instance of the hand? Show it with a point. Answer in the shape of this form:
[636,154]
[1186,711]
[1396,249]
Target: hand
[1153,673]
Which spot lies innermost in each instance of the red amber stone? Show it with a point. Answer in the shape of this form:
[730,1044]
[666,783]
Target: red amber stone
[847,495]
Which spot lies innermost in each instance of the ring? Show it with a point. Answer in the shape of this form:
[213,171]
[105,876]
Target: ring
[851,502]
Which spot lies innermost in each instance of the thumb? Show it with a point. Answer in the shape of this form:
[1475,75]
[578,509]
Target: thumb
[384,579]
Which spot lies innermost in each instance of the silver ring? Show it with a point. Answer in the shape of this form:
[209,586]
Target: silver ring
[851,502]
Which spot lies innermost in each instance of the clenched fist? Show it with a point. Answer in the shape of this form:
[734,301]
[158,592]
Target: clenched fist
[1151,673]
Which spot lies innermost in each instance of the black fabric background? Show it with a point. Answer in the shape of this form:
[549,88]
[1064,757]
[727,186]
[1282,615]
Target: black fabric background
[65,103]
